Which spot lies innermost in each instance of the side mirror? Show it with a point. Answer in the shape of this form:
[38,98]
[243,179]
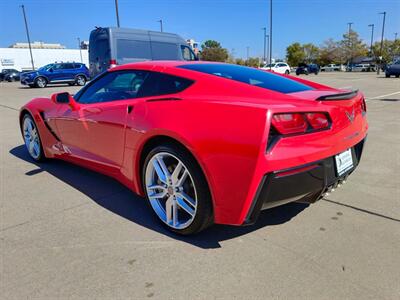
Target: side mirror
[65,98]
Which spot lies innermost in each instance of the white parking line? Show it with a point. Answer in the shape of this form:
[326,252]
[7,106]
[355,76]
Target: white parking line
[382,96]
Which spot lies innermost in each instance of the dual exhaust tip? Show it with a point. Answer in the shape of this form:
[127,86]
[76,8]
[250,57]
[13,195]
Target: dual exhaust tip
[334,186]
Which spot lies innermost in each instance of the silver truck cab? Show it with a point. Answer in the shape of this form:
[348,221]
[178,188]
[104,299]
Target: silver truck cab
[112,46]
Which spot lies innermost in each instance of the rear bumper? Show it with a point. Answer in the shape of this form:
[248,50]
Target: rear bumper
[306,183]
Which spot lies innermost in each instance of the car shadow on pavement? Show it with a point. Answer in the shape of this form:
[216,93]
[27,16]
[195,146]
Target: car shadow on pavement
[118,199]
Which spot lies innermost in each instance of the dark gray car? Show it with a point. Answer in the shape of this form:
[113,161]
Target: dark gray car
[393,69]
[112,46]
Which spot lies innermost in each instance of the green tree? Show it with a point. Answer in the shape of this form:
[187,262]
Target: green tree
[311,52]
[252,62]
[331,53]
[240,61]
[295,54]
[212,51]
[390,50]
[353,46]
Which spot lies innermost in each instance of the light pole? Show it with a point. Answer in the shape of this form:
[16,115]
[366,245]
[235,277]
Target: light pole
[383,32]
[247,49]
[161,27]
[265,43]
[116,12]
[372,35]
[395,36]
[350,44]
[267,38]
[27,35]
[80,49]
[270,34]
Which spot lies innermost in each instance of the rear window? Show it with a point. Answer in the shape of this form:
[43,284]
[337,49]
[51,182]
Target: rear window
[252,76]
[133,50]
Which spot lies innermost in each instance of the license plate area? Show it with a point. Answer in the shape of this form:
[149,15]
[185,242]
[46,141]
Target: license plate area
[344,162]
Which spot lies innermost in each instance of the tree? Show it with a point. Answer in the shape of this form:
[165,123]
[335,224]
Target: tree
[295,54]
[353,46]
[311,52]
[390,50]
[252,62]
[212,51]
[330,52]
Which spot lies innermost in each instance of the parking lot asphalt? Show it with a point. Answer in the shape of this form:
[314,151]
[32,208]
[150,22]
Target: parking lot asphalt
[66,232]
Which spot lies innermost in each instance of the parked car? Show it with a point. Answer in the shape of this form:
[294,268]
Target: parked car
[12,76]
[362,68]
[393,69]
[71,73]
[330,68]
[112,46]
[307,69]
[169,132]
[281,68]
[5,72]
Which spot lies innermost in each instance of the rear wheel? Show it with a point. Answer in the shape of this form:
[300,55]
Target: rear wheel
[177,189]
[40,82]
[32,138]
[387,75]
[287,72]
[80,80]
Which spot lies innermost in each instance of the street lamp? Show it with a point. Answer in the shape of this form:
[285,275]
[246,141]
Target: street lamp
[270,34]
[27,35]
[383,32]
[265,43]
[372,35]
[80,49]
[350,44]
[116,12]
[161,25]
[395,36]
[248,49]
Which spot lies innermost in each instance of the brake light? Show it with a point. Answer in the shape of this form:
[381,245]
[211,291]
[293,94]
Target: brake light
[113,63]
[295,123]
[289,123]
[317,120]
[363,106]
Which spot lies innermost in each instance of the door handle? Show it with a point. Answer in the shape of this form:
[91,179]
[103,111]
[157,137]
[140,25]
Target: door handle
[92,110]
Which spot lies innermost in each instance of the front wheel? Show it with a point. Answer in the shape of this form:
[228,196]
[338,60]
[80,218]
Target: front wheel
[177,189]
[387,75]
[40,82]
[32,138]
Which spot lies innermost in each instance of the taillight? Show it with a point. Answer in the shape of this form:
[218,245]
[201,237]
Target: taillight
[113,63]
[363,106]
[289,123]
[317,120]
[295,123]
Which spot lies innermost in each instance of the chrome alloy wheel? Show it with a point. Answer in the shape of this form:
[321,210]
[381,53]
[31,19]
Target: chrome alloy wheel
[171,190]
[31,138]
[41,82]
[80,80]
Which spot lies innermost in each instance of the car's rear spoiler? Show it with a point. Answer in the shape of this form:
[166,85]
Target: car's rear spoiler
[339,96]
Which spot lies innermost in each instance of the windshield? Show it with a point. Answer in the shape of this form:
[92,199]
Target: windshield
[270,66]
[46,67]
[251,76]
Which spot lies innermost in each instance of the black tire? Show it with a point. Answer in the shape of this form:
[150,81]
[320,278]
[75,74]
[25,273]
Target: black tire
[387,75]
[297,73]
[40,82]
[287,72]
[42,156]
[316,73]
[397,76]
[204,212]
[80,80]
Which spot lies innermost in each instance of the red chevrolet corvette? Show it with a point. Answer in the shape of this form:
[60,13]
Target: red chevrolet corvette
[204,142]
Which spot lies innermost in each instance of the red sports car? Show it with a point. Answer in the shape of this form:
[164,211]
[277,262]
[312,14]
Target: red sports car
[204,142]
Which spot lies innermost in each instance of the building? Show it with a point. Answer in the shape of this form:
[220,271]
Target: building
[37,45]
[20,59]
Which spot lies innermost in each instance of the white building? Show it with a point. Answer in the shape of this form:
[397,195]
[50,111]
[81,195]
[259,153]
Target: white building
[20,59]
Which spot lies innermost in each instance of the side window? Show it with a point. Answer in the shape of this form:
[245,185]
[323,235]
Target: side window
[163,84]
[131,50]
[77,66]
[56,67]
[187,53]
[161,51]
[114,86]
[67,66]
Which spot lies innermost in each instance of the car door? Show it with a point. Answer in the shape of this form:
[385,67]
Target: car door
[96,130]
[67,72]
[54,73]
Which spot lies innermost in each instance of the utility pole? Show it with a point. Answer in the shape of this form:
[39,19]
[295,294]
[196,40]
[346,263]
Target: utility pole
[383,32]
[372,36]
[350,44]
[161,27]
[395,36]
[265,44]
[248,49]
[270,34]
[27,35]
[80,48]
[116,12]
[267,38]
